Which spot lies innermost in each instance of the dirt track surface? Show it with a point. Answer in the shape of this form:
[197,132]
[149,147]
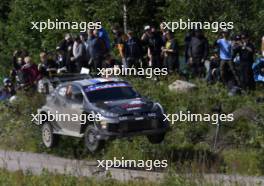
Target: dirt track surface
[36,163]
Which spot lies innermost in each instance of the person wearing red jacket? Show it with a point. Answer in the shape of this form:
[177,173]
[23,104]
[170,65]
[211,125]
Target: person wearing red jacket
[30,73]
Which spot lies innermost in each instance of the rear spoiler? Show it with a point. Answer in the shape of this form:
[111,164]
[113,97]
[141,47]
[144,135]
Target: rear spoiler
[57,79]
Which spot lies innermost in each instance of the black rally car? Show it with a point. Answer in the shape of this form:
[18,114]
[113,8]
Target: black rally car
[120,112]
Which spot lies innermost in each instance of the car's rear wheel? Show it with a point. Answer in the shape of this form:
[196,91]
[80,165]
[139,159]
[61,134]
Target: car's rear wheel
[155,139]
[49,139]
[92,143]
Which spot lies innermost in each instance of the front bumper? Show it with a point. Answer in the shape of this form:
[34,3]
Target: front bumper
[133,127]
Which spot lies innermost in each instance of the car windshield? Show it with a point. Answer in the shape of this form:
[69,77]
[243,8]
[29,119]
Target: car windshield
[110,92]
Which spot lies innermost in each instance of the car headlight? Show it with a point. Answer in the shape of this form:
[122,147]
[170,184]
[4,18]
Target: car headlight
[103,124]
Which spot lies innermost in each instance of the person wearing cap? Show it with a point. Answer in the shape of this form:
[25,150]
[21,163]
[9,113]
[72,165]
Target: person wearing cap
[144,40]
[9,87]
[198,53]
[133,50]
[246,51]
[225,49]
[236,43]
[170,52]
[146,34]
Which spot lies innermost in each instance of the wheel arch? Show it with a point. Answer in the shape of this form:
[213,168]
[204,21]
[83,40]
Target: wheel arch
[86,124]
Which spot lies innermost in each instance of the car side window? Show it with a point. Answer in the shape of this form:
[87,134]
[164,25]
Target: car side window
[76,95]
[62,91]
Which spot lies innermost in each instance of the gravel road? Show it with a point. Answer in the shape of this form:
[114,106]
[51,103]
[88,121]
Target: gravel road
[36,163]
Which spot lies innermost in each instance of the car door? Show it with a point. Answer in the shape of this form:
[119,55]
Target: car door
[73,107]
[60,107]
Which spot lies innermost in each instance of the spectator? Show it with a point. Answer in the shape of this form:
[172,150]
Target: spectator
[30,73]
[9,87]
[146,35]
[66,46]
[133,50]
[17,60]
[47,65]
[187,41]
[61,61]
[110,62]
[258,69]
[79,54]
[102,33]
[212,67]
[262,46]
[4,95]
[246,53]
[236,43]
[154,44]
[90,38]
[84,37]
[170,52]
[225,49]
[163,33]
[145,48]
[98,50]
[198,53]
[119,42]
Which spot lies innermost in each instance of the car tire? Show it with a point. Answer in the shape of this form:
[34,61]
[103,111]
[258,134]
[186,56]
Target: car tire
[155,139]
[48,138]
[91,142]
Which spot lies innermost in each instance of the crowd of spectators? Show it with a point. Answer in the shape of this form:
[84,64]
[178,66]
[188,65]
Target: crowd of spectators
[234,61]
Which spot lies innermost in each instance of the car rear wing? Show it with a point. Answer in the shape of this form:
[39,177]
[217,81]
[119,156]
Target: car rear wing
[60,78]
[47,85]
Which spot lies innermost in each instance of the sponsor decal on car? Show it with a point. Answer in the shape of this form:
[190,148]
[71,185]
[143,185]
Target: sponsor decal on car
[105,86]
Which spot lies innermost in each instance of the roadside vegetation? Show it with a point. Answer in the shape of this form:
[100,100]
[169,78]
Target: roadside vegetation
[189,147]
[19,178]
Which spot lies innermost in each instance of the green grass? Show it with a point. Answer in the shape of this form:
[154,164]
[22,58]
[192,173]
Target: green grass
[242,161]
[46,179]
[19,178]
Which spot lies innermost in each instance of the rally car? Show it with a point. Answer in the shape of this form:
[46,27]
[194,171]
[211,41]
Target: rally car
[122,112]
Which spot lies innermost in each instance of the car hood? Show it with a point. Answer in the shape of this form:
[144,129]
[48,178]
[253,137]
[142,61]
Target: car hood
[128,106]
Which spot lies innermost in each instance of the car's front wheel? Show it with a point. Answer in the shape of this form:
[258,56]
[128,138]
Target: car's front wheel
[155,139]
[92,143]
[49,139]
